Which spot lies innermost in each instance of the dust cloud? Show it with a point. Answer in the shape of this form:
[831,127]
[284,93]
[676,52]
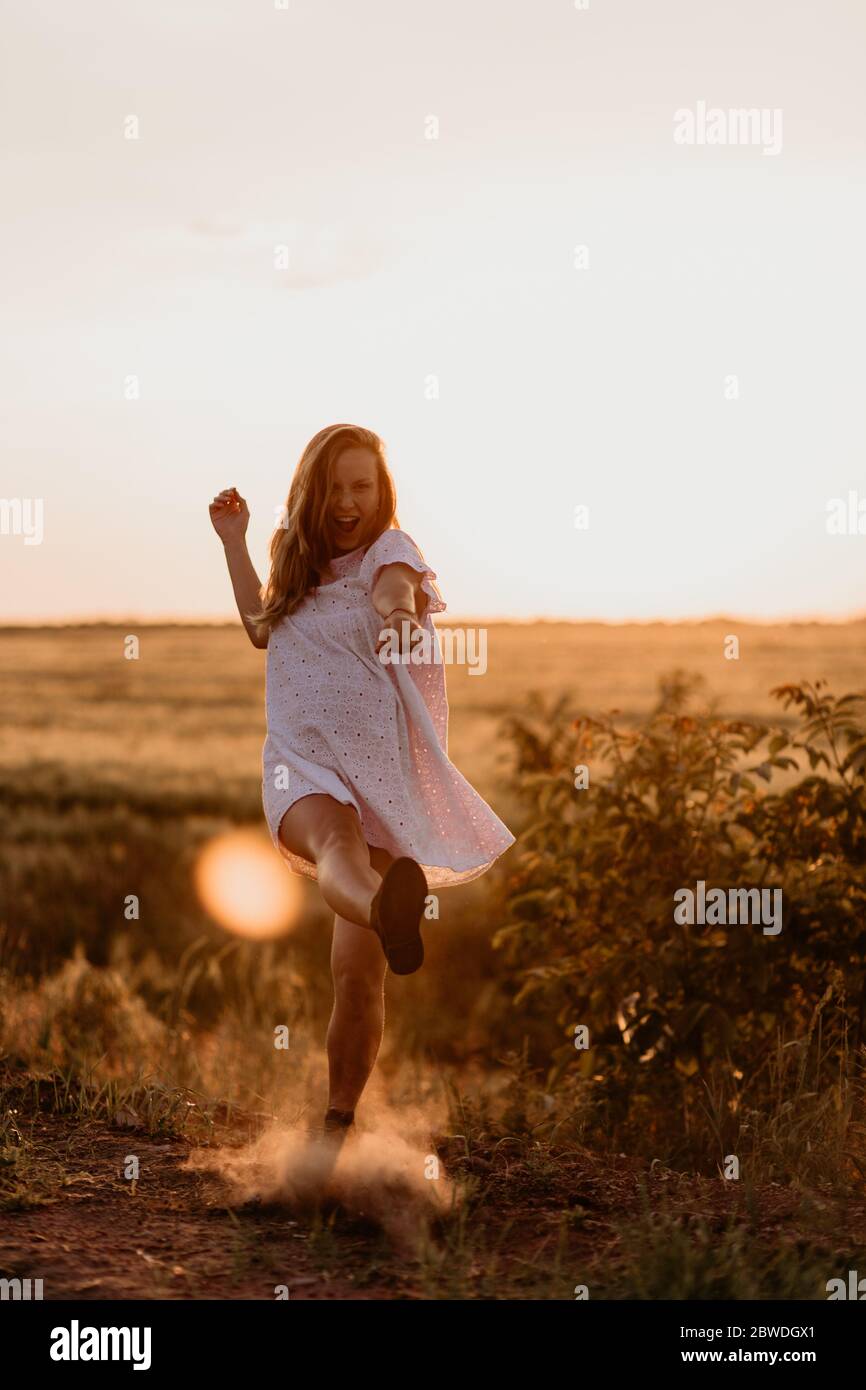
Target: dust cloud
[377,1174]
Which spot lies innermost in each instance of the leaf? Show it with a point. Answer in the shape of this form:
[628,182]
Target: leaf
[532,905]
[856,758]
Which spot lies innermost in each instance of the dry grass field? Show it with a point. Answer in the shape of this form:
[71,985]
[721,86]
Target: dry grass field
[189,714]
[155,1036]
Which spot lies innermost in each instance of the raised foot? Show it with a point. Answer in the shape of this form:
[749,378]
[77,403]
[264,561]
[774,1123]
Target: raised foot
[396,912]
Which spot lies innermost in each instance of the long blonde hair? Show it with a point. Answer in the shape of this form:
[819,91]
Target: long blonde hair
[300,549]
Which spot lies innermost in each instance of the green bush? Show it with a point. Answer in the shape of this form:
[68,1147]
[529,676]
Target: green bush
[686,1022]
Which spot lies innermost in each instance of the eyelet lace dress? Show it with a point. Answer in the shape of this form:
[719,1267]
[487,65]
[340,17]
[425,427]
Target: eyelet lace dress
[370,734]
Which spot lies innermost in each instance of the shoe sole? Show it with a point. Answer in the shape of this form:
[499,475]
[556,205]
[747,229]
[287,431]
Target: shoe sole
[401,900]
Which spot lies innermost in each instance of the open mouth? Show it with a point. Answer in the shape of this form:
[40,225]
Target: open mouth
[347,525]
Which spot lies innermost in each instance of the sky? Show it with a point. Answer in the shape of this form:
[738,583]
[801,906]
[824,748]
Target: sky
[692,376]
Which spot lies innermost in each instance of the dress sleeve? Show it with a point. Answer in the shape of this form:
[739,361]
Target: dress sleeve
[396,547]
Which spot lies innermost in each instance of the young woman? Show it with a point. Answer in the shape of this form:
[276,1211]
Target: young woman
[358,789]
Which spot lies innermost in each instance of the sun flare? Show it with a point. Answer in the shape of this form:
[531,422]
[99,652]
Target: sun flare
[244,886]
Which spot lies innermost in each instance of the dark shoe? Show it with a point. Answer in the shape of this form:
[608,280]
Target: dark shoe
[338,1120]
[395,915]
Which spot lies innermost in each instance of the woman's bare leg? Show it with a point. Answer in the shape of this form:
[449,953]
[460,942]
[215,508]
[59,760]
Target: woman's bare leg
[349,872]
[329,834]
[358,1019]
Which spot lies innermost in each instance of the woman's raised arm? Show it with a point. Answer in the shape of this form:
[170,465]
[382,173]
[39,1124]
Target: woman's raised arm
[230,517]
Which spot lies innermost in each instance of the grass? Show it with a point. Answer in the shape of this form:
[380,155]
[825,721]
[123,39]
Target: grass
[158,1032]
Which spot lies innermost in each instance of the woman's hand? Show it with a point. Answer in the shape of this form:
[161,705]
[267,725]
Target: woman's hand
[395,599]
[230,515]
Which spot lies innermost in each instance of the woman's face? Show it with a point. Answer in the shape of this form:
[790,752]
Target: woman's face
[354,499]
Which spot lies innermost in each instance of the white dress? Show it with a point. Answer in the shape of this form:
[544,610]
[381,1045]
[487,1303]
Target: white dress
[371,735]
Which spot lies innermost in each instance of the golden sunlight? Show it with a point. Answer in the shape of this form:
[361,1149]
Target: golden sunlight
[244,885]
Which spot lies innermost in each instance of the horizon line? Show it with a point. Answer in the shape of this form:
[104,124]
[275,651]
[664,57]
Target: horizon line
[172,620]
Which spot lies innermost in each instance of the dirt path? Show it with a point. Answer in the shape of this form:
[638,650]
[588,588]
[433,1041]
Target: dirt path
[172,1235]
[534,1224]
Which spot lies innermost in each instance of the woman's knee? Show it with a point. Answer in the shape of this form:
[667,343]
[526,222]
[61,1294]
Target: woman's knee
[340,831]
[318,824]
[357,964]
[358,989]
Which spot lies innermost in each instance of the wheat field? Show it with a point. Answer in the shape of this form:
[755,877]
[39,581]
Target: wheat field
[189,712]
